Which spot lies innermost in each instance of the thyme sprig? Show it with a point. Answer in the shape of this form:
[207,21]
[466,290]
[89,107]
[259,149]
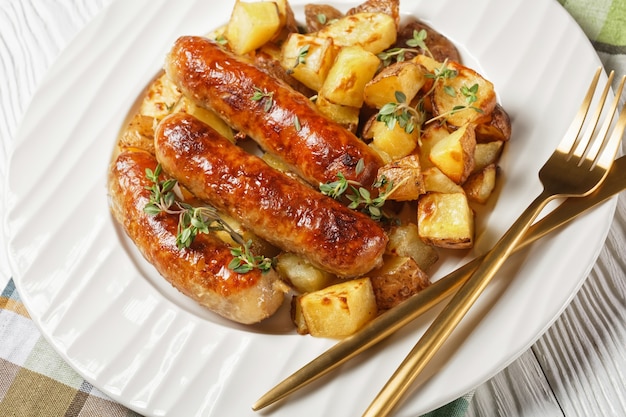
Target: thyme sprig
[260,95]
[360,197]
[301,58]
[399,54]
[195,220]
[244,261]
[399,112]
[470,97]
[470,93]
[336,189]
[323,19]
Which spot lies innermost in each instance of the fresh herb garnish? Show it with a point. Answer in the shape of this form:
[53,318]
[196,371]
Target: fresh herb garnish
[399,112]
[399,54]
[360,197]
[301,58]
[336,189]
[260,95]
[244,261]
[470,93]
[221,40]
[195,220]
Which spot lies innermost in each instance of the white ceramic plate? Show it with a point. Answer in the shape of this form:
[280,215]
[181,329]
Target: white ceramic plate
[125,330]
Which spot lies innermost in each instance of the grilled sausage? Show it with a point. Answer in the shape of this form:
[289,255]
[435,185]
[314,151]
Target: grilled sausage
[279,209]
[282,121]
[200,271]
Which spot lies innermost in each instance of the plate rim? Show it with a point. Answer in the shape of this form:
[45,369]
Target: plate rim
[610,207]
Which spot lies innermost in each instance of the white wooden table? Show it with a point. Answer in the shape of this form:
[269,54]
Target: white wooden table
[578,368]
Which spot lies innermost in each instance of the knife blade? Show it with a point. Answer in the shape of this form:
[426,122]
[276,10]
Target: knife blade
[392,320]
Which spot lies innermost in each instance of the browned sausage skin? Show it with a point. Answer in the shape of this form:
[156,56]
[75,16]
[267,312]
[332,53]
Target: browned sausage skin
[200,271]
[275,207]
[282,122]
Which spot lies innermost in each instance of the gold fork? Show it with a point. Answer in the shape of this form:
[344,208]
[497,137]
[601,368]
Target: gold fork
[575,169]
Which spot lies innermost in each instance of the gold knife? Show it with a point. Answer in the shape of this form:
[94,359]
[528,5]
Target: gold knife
[392,320]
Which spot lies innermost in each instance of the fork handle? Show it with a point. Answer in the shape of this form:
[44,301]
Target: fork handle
[451,315]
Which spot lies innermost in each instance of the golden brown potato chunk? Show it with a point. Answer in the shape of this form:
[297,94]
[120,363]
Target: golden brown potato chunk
[339,310]
[498,128]
[406,176]
[404,240]
[454,154]
[399,278]
[446,220]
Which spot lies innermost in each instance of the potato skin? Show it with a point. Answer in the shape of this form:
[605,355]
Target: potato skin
[440,46]
[316,148]
[398,280]
[389,7]
[200,271]
[279,209]
[312,12]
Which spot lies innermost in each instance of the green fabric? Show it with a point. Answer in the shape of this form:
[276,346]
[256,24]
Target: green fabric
[614,29]
[456,408]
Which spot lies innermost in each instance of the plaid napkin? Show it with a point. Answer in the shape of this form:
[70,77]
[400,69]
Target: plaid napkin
[34,379]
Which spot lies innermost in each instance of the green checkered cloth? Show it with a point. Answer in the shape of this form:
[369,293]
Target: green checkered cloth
[35,381]
[604,23]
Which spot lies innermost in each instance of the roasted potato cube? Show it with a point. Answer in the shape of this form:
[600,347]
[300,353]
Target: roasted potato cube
[486,154]
[339,310]
[454,154]
[161,97]
[463,96]
[431,134]
[139,133]
[399,278]
[405,76]
[207,116]
[288,23]
[388,7]
[296,315]
[406,177]
[430,64]
[396,143]
[319,15]
[300,274]
[217,34]
[480,185]
[373,32]
[258,246]
[437,181]
[251,25]
[308,59]
[267,59]
[446,220]
[347,116]
[404,240]
[352,69]
[498,128]
[279,164]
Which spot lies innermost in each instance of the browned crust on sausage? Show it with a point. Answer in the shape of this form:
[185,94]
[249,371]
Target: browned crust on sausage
[290,126]
[275,207]
[200,271]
